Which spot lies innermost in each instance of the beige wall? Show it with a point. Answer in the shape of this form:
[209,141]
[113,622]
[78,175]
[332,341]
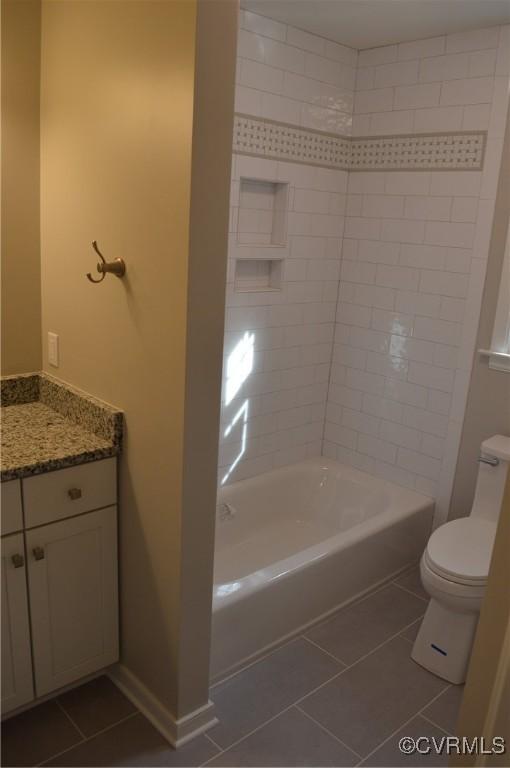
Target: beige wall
[21,274]
[117,158]
[485,707]
[488,406]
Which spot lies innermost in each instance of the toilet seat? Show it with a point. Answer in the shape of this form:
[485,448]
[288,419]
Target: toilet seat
[460,551]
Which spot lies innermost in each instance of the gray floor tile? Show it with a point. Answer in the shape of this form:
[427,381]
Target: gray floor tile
[412,581]
[96,705]
[135,742]
[37,734]
[291,739]
[358,629]
[261,691]
[444,711]
[411,632]
[390,755]
[369,701]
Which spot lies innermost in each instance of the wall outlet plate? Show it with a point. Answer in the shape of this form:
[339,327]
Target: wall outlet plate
[53,349]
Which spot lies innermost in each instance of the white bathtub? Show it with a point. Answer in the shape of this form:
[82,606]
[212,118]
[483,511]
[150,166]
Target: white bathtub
[295,543]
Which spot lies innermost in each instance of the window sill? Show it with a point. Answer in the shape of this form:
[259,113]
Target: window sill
[498,361]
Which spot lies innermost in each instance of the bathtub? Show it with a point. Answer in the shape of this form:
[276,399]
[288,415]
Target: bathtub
[294,544]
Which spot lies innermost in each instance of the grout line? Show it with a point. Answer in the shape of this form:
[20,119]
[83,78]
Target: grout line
[403,725]
[320,648]
[426,717]
[213,743]
[90,738]
[410,592]
[322,727]
[66,713]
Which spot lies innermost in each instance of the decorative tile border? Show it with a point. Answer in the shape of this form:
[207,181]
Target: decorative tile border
[259,137]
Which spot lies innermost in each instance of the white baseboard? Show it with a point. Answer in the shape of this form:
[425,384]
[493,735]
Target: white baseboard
[176,732]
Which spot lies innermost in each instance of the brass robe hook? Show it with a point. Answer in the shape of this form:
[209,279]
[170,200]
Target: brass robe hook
[116,267]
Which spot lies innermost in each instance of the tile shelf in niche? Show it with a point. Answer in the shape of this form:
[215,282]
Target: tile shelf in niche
[262,216]
[255,275]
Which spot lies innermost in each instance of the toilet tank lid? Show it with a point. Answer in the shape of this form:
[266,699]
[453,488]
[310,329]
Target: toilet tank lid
[463,548]
[498,446]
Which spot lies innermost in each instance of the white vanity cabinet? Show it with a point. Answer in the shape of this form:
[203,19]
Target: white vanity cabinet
[59,581]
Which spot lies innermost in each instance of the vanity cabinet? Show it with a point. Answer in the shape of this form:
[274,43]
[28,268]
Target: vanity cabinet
[59,581]
[17,686]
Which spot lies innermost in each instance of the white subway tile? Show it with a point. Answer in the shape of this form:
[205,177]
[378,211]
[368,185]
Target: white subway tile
[305,40]
[365,338]
[474,90]
[408,183]
[361,422]
[417,96]
[439,402]
[361,125]
[498,110]
[250,45]
[315,92]
[395,474]
[367,229]
[262,25]
[476,117]
[397,73]
[260,76]
[352,314]
[474,40]
[432,446]
[283,56]
[341,53]
[383,408]
[358,272]
[398,434]
[434,329]
[383,123]
[482,63]
[367,182]
[450,233]
[464,209]
[419,49]
[365,381]
[402,230]
[423,256]
[412,349]
[438,119]
[428,208]
[440,68]
[374,56]
[374,296]
[401,278]
[392,322]
[431,376]
[248,101]
[503,57]
[384,206]
[350,356]
[456,183]
[492,168]
[405,392]
[376,448]
[328,71]
[279,108]
[444,283]
[349,398]
[452,309]
[386,365]
[365,77]
[339,435]
[378,252]
[426,420]
[377,100]
[325,119]
[418,463]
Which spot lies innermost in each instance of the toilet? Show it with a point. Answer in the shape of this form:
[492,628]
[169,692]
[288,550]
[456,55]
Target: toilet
[454,570]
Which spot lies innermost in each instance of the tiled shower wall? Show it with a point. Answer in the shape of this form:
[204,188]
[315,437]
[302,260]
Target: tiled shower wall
[413,261]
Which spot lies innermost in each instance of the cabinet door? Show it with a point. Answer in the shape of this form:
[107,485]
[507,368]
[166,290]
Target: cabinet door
[72,571]
[17,686]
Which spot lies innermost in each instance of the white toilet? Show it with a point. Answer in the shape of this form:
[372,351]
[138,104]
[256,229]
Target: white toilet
[454,571]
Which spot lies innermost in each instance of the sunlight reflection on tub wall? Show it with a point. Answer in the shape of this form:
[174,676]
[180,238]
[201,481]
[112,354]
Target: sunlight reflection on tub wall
[239,367]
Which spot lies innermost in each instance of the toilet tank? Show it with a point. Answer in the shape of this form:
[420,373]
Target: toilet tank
[491,481]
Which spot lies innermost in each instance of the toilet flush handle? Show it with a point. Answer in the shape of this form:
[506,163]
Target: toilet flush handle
[491,460]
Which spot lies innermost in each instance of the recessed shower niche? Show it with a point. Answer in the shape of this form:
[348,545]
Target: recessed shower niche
[262,213]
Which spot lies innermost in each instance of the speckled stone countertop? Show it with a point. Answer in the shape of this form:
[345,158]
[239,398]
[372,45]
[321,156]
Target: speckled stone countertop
[48,425]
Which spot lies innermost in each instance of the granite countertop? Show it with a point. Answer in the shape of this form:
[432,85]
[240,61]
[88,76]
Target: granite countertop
[58,427]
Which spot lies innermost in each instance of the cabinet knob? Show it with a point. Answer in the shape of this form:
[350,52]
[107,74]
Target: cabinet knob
[18,561]
[38,553]
[74,493]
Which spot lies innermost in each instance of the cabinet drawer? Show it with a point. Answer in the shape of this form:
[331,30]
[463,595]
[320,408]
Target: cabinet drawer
[12,517]
[65,492]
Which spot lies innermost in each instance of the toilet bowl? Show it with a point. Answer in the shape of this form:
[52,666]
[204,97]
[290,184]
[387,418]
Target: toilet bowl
[454,570]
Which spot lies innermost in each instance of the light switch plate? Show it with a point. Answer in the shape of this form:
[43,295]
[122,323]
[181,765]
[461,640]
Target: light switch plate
[53,349]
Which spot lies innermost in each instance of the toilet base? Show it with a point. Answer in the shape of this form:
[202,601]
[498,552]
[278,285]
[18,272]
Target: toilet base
[444,642]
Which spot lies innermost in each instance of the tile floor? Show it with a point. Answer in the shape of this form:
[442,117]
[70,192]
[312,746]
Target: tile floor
[341,694]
